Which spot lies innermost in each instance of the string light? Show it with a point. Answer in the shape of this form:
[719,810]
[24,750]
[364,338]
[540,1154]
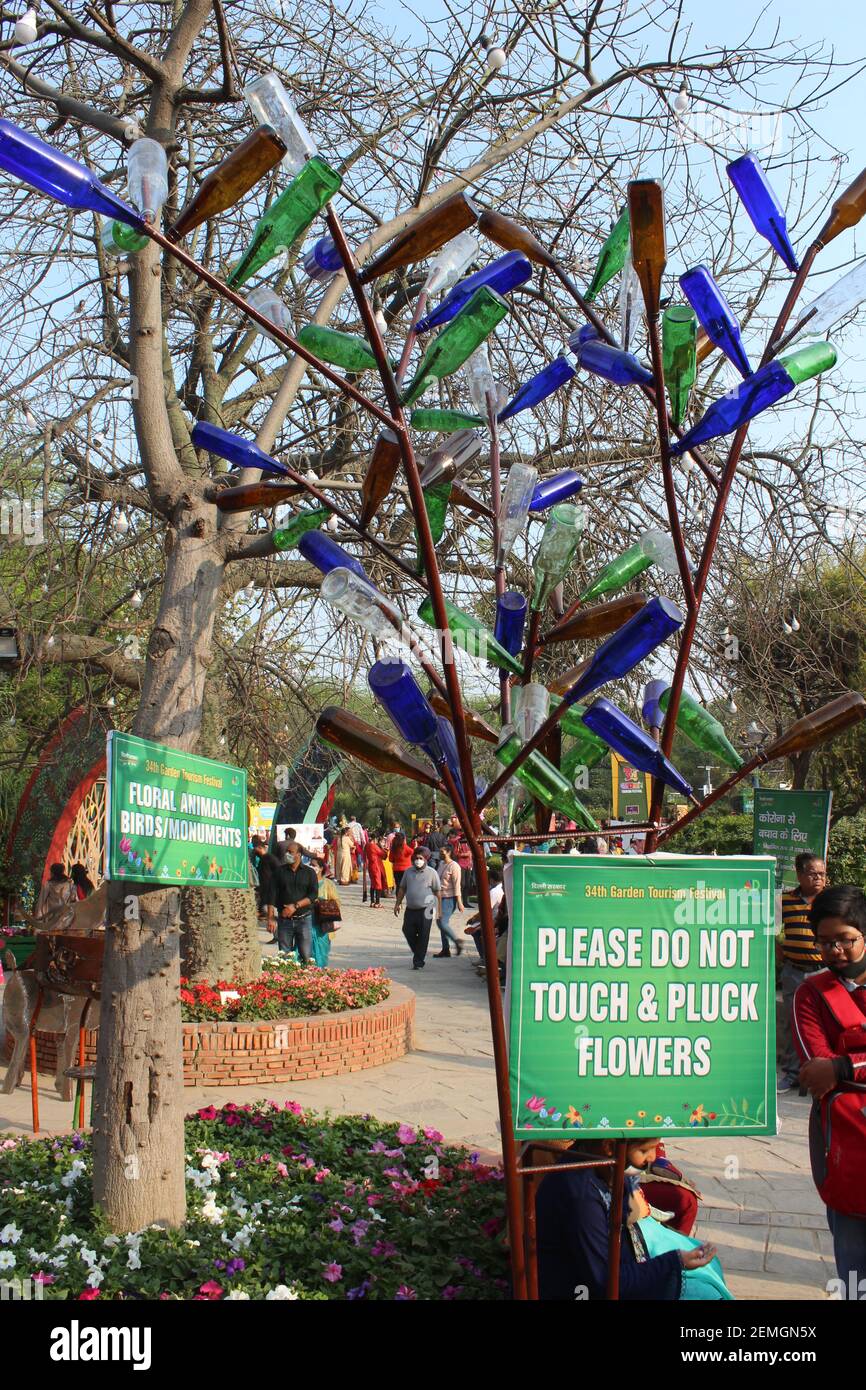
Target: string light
[795,623]
[137,599]
[120,523]
[786,627]
[731,705]
[25,28]
[681,100]
[495,57]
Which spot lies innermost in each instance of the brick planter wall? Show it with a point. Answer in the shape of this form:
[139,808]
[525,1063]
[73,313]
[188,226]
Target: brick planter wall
[294,1049]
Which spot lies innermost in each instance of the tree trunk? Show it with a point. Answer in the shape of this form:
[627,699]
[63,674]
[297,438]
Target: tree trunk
[219,939]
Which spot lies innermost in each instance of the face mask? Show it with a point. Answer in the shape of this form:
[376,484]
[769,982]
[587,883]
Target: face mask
[418,863]
[852,969]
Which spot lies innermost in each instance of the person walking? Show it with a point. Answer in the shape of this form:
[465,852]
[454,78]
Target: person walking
[463,856]
[294,889]
[829,1026]
[800,954]
[435,839]
[376,853]
[83,885]
[326,920]
[419,887]
[344,856]
[281,847]
[400,856]
[267,865]
[449,902]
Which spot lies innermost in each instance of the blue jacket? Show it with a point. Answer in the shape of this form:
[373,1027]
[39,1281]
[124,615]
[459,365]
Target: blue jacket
[573,1215]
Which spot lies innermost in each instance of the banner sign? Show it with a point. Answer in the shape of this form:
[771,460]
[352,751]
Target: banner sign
[642,996]
[173,817]
[787,823]
[262,817]
[630,790]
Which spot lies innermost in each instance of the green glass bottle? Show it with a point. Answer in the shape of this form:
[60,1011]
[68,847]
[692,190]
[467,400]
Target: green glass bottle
[345,350]
[444,421]
[436,500]
[702,729]
[288,218]
[561,538]
[580,755]
[457,340]
[808,361]
[287,537]
[572,724]
[619,572]
[611,257]
[679,356]
[120,240]
[474,638]
[543,780]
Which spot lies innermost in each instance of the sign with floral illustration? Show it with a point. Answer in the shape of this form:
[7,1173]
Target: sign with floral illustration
[173,817]
[642,996]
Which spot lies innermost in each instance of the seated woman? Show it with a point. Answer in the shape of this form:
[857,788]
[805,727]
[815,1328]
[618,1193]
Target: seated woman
[573,1219]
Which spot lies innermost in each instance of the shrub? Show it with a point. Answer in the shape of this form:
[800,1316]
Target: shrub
[284,990]
[283,1204]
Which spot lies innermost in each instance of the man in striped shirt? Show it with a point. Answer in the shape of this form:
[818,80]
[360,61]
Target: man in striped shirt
[800,956]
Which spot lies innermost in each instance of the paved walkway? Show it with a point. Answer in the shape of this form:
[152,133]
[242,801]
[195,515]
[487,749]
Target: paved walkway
[760,1207]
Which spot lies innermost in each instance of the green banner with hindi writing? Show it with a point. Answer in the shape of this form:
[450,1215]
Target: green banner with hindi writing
[174,817]
[642,996]
[786,824]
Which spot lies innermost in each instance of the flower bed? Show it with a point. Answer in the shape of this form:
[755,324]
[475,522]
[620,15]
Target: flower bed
[283,1204]
[284,990]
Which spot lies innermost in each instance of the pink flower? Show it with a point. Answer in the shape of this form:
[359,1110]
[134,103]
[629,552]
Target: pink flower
[373,1199]
[406,1134]
[211,1289]
[293,1106]
[405,1294]
[333,1273]
[336,1224]
[322,1174]
[535,1103]
[282,1170]
[433,1135]
[41,1278]
[208,1113]
[87,1295]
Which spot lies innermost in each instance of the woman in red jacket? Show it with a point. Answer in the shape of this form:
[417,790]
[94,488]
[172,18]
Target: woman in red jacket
[376,852]
[400,856]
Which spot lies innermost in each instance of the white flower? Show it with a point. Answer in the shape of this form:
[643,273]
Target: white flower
[235,1296]
[212,1213]
[10,1235]
[604,1122]
[111,1240]
[194,1243]
[37,1257]
[65,1241]
[88,1256]
[133,1238]
[7,1259]
[133,1260]
[282,1291]
[58,1261]
[95,1278]
[209,1160]
[75,1172]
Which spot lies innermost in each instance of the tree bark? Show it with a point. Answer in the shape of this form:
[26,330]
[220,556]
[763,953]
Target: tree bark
[219,937]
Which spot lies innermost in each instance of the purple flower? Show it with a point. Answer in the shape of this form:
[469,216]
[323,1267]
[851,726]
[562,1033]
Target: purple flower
[383,1249]
[77,1143]
[359,1230]
[378,1148]
[219,1264]
[391,1173]
[406,1134]
[452,1291]
[360,1291]
[236,1266]
[336,1224]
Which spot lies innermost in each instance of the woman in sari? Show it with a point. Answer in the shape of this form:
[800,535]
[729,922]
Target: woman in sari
[376,852]
[323,928]
[344,856]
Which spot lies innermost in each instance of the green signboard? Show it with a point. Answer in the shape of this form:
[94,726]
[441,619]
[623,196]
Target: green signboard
[173,817]
[642,996]
[786,823]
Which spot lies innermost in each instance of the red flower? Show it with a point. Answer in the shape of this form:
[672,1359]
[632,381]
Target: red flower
[88,1295]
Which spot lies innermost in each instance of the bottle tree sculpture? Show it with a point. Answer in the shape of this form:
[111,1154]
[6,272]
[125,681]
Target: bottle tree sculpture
[426,736]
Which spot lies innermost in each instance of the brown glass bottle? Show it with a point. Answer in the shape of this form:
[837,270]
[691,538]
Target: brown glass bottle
[462,497]
[420,238]
[250,495]
[646,210]
[512,237]
[228,183]
[563,683]
[847,210]
[380,475]
[347,732]
[598,621]
[819,726]
[476,727]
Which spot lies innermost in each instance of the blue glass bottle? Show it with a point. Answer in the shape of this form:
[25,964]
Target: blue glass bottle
[611,363]
[411,713]
[628,646]
[29,159]
[323,261]
[762,205]
[715,316]
[510,619]
[557,488]
[768,385]
[633,743]
[319,550]
[237,450]
[502,275]
[545,383]
[651,711]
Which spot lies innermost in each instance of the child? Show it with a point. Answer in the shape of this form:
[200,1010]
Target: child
[573,1217]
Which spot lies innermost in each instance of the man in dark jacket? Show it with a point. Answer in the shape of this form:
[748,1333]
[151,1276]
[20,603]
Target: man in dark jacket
[266,865]
[295,888]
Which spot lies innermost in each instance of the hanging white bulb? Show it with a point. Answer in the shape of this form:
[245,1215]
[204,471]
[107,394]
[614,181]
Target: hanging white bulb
[120,523]
[681,100]
[687,462]
[45,586]
[25,28]
[311,476]
[98,440]
[786,627]
[137,599]
[110,702]
[50,642]
[30,419]
[731,705]
[496,59]
[573,161]
[795,624]
[222,740]
[333,523]
[12,721]
[381,321]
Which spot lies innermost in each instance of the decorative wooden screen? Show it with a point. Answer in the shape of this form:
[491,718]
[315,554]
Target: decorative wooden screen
[85,843]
